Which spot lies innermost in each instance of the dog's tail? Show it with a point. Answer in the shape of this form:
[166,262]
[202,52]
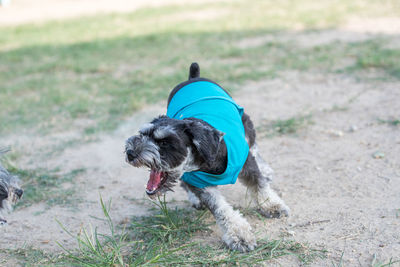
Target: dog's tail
[194,71]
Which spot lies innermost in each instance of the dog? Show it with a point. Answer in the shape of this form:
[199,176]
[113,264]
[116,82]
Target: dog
[206,140]
[10,191]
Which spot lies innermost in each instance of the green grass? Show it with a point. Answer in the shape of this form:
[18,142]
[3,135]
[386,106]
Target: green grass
[373,55]
[42,185]
[284,127]
[98,249]
[260,14]
[102,86]
[168,226]
[30,256]
[392,122]
[266,251]
[101,69]
[165,239]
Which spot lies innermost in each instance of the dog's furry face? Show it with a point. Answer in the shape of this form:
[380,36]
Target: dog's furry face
[10,193]
[170,147]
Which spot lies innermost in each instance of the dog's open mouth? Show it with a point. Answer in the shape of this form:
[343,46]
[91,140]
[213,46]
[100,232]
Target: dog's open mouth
[157,179]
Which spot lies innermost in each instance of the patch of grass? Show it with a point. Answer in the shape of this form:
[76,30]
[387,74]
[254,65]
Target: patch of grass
[392,122]
[285,14]
[384,59]
[168,226]
[44,185]
[283,127]
[266,250]
[95,249]
[101,69]
[65,99]
[163,239]
[30,256]
[373,55]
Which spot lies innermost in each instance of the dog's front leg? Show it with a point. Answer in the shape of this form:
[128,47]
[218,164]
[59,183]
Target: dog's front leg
[237,233]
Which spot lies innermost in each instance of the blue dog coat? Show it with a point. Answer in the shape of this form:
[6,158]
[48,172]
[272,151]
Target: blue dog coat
[205,100]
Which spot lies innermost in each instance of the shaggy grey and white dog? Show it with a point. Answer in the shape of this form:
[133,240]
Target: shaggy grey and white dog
[171,147]
[10,192]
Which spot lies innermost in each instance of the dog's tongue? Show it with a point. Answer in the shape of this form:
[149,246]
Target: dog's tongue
[154,181]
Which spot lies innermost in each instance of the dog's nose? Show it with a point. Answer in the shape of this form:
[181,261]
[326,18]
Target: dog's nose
[131,154]
[19,192]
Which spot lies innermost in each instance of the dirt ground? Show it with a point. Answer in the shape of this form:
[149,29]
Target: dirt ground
[344,196]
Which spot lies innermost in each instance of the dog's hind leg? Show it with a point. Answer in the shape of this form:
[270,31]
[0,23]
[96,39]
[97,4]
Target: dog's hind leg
[237,233]
[257,175]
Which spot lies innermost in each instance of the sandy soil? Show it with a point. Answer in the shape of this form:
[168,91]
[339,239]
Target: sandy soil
[342,197]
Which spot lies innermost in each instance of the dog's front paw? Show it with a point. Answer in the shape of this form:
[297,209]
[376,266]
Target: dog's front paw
[274,210]
[237,231]
[239,236]
[240,243]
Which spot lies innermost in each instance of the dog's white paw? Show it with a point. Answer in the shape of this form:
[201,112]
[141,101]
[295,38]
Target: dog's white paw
[274,210]
[239,236]
[242,243]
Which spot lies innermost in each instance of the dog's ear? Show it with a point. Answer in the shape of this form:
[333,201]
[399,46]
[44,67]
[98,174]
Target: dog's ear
[205,138]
